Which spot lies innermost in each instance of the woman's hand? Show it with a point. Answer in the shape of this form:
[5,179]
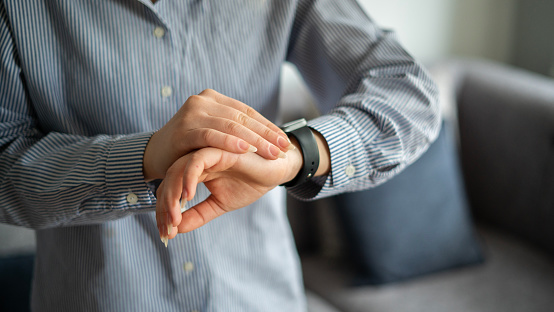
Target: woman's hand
[211,119]
[234,180]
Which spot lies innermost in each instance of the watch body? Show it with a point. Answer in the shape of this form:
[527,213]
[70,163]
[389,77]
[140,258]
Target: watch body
[308,145]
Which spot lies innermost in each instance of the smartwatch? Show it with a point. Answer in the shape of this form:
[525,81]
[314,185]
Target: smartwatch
[308,145]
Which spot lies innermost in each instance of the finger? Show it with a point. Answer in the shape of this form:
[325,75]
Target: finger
[200,215]
[206,137]
[159,208]
[167,225]
[240,106]
[160,224]
[270,132]
[167,217]
[173,193]
[181,181]
[162,231]
[264,148]
[252,119]
[161,217]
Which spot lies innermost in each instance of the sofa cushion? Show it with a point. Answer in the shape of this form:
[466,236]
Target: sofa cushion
[415,224]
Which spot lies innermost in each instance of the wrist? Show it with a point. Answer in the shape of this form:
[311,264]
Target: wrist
[295,161]
[148,157]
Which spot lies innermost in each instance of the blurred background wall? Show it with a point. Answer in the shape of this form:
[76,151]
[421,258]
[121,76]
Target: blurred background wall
[434,29]
[515,32]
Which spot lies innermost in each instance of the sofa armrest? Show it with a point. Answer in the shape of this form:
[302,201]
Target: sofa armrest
[506,122]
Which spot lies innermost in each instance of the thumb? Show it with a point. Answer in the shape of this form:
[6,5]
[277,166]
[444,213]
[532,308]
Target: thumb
[200,215]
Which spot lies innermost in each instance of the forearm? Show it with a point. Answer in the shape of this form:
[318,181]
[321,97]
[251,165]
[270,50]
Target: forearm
[380,107]
[373,137]
[62,180]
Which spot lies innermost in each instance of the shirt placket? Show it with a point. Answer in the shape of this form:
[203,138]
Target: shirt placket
[184,259]
[164,78]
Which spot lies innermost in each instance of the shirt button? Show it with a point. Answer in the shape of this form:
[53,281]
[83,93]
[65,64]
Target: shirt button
[166,91]
[159,32]
[350,170]
[188,267]
[132,198]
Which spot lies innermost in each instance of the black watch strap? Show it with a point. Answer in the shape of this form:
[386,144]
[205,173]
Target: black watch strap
[308,145]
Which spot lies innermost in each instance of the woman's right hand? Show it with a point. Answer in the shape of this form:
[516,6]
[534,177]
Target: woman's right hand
[211,119]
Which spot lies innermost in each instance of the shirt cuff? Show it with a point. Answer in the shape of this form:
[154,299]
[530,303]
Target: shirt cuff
[126,187]
[348,161]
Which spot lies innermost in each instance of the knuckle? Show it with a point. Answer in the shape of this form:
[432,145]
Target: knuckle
[208,92]
[260,141]
[268,133]
[194,99]
[231,127]
[250,112]
[242,119]
[208,136]
[196,158]
[193,104]
[194,107]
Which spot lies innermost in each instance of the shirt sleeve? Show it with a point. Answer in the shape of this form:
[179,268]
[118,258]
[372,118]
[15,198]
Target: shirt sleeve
[56,179]
[380,106]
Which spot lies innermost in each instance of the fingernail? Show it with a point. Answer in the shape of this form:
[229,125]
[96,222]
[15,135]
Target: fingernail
[276,152]
[283,143]
[183,205]
[291,146]
[164,240]
[243,145]
[252,149]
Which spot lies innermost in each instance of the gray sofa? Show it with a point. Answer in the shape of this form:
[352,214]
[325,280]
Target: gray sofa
[505,119]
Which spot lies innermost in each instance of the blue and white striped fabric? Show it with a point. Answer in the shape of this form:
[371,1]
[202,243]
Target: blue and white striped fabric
[83,85]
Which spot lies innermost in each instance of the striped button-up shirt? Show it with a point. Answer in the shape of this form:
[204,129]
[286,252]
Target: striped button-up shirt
[83,85]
